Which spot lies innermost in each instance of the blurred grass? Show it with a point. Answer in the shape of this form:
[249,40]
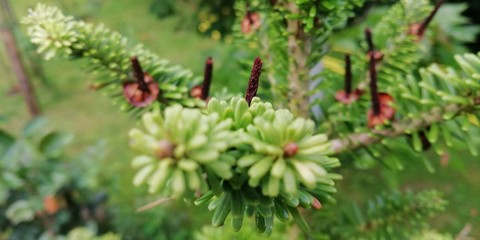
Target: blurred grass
[71,107]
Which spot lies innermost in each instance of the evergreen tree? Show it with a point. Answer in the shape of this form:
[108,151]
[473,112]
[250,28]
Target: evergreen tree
[271,158]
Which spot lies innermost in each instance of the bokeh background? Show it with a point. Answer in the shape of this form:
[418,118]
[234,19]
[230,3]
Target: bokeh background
[63,92]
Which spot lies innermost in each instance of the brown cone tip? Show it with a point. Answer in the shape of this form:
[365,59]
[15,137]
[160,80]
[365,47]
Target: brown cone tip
[144,90]
[346,95]
[420,28]
[368,37]
[386,112]
[207,79]
[377,55]
[202,91]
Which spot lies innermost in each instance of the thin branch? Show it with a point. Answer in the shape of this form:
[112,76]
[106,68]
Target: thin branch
[17,65]
[154,204]
[435,115]
[463,234]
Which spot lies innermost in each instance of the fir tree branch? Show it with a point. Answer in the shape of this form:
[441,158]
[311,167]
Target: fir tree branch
[435,115]
[108,53]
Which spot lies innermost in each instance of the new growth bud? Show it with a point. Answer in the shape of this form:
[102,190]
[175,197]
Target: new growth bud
[164,149]
[420,28]
[290,149]
[377,55]
[207,78]
[202,91]
[348,96]
[381,110]
[252,87]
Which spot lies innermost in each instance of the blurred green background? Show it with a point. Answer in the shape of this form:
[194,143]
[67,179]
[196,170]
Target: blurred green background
[72,107]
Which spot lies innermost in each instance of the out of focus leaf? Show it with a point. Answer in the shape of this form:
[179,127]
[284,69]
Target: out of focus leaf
[455,25]
[20,211]
[3,193]
[473,119]
[34,127]
[6,141]
[12,180]
[54,143]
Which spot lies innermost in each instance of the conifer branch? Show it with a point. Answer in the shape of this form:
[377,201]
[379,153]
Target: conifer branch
[398,215]
[435,115]
[109,54]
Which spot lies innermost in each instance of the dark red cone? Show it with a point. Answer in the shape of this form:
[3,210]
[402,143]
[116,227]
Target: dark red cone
[252,87]
[144,90]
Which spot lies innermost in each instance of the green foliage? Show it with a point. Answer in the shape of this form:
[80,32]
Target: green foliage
[251,159]
[210,18]
[451,32]
[432,106]
[248,232]
[81,233]
[437,111]
[250,167]
[429,234]
[41,192]
[86,234]
[177,147]
[163,8]
[108,53]
[316,22]
[388,216]
[20,211]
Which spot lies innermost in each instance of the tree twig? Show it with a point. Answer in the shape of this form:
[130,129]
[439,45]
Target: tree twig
[435,115]
[15,58]
[153,204]
[463,234]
